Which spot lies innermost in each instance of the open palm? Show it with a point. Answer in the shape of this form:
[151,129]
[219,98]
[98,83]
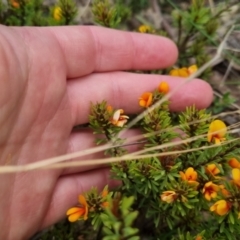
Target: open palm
[48,76]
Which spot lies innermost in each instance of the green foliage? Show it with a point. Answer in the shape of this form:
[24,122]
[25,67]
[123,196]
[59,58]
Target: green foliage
[106,14]
[110,15]
[137,5]
[36,13]
[64,230]
[119,226]
[101,121]
[68,11]
[199,120]
[197,27]
[220,104]
[158,121]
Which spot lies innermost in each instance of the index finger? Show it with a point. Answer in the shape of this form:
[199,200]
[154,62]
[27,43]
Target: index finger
[88,49]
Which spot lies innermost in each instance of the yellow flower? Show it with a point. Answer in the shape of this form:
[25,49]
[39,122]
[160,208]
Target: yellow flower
[76,213]
[118,118]
[236,176]
[174,73]
[145,29]
[190,176]
[234,163]
[179,72]
[210,190]
[212,169]
[169,196]
[192,69]
[221,207]
[163,87]
[57,13]
[183,72]
[146,99]
[217,131]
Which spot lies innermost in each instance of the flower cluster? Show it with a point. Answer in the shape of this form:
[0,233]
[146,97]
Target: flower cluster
[148,98]
[214,186]
[183,72]
[210,190]
[223,206]
[173,183]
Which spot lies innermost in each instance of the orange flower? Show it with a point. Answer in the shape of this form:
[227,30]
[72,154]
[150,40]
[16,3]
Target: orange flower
[210,190]
[118,119]
[146,99]
[224,191]
[234,163]
[109,108]
[116,204]
[236,176]
[76,213]
[163,87]
[190,175]
[212,169]
[221,207]
[57,13]
[104,195]
[183,72]
[169,196]
[217,131]
[15,3]
[198,237]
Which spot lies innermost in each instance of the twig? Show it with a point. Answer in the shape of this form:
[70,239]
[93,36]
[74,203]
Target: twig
[229,68]
[127,157]
[166,26]
[212,6]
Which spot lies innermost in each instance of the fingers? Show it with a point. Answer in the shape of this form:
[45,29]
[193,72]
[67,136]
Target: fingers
[69,187]
[122,90]
[97,49]
[88,49]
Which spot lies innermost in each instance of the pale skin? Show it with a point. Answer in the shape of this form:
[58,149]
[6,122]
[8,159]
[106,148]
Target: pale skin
[48,76]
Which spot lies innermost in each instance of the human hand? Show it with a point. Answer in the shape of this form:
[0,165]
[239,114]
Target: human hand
[48,76]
